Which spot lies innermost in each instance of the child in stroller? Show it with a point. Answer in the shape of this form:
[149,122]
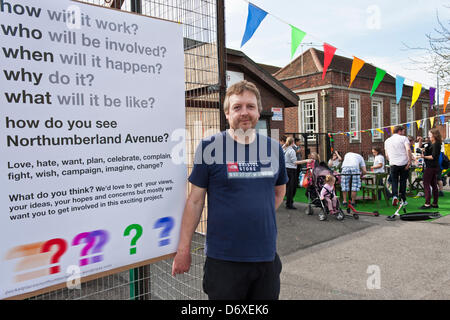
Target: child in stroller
[323,178]
[328,195]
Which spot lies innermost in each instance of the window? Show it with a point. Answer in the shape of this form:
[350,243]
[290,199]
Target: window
[354,118]
[424,122]
[409,119]
[308,115]
[377,116]
[395,113]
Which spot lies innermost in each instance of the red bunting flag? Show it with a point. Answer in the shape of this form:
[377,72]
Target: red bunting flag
[328,56]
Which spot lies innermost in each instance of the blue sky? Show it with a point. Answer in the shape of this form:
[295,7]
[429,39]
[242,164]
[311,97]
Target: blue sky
[371,30]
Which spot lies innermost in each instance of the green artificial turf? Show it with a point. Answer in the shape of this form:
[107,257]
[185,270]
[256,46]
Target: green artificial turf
[370,206]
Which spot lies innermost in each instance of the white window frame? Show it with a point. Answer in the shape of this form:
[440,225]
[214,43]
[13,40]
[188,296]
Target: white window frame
[377,136]
[301,119]
[357,127]
[395,113]
[425,115]
[447,126]
[410,112]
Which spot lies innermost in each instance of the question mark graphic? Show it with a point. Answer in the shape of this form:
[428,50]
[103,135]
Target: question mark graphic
[135,27]
[159,66]
[166,135]
[62,247]
[167,223]
[104,237]
[91,78]
[90,240]
[152,101]
[164,50]
[136,237]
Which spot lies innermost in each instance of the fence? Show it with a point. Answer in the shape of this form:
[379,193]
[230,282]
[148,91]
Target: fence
[204,52]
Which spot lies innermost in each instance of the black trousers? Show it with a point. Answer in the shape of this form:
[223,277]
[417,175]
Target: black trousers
[399,176]
[291,188]
[229,280]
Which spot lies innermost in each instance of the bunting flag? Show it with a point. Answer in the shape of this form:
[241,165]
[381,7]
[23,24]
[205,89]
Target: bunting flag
[408,125]
[447,95]
[432,121]
[378,78]
[442,119]
[379,130]
[254,19]
[356,67]
[297,36]
[387,131]
[416,93]
[399,80]
[418,124]
[329,51]
[432,94]
[392,129]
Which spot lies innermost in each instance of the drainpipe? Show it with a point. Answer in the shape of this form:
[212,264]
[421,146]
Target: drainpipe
[324,125]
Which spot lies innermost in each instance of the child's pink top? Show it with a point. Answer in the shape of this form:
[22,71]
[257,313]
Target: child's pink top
[324,194]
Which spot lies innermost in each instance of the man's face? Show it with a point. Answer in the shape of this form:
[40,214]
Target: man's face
[243,112]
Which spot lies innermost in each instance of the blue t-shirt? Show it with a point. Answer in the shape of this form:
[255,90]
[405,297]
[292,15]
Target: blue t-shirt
[240,180]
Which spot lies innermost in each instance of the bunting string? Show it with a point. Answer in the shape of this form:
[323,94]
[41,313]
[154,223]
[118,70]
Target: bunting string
[390,129]
[255,17]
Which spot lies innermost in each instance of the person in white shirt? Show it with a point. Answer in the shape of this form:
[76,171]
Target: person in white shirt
[398,152]
[378,165]
[290,158]
[352,167]
[378,162]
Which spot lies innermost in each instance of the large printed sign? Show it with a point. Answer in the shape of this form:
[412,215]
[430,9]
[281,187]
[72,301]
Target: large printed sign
[89,100]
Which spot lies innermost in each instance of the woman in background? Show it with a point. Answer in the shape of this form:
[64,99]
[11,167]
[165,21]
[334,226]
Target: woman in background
[431,157]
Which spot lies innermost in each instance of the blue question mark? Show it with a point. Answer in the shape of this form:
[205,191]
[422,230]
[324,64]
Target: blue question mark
[167,223]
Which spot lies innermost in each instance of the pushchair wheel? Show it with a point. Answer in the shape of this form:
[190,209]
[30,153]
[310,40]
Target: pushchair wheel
[340,215]
[355,216]
[376,213]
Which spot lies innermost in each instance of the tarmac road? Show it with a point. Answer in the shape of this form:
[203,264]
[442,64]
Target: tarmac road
[369,258]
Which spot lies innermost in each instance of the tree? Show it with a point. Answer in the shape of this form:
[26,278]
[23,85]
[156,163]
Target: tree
[436,57]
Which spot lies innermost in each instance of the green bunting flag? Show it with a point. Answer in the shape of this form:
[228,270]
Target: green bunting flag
[297,36]
[378,78]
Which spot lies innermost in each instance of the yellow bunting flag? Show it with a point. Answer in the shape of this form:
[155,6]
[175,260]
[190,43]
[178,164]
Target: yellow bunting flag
[432,121]
[380,131]
[392,129]
[418,124]
[416,93]
[356,66]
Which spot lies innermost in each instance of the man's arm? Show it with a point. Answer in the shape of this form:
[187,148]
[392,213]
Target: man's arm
[410,157]
[363,170]
[191,217]
[280,191]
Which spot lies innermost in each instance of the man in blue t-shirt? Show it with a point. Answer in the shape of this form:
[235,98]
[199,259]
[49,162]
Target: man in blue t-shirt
[245,178]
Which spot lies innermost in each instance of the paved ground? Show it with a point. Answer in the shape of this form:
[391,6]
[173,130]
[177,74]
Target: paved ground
[369,258]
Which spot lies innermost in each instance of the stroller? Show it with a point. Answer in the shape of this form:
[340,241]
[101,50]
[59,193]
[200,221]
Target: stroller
[317,177]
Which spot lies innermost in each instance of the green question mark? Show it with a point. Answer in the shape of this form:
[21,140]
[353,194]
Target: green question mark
[136,237]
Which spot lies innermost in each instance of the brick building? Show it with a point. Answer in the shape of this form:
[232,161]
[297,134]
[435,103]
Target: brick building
[330,106]
[274,94]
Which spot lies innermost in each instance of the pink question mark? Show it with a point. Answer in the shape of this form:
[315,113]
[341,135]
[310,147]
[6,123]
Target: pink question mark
[104,237]
[90,240]
[62,247]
